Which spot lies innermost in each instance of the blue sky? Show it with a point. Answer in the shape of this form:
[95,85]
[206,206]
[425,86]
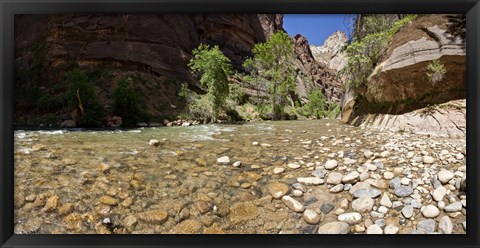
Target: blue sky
[316,27]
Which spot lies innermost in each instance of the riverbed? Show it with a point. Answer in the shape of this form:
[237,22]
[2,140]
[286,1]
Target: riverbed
[260,177]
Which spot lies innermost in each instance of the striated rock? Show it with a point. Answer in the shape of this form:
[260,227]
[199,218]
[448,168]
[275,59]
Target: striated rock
[399,96]
[155,47]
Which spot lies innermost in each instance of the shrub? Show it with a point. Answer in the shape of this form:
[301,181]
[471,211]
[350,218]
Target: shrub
[127,103]
[363,55]
[236,94]
[315,106]
[81,96]
[436,71]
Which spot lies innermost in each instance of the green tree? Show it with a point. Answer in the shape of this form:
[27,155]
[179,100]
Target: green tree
[127,103]
[316,104]
[273,63]
[215,69]
[81,96]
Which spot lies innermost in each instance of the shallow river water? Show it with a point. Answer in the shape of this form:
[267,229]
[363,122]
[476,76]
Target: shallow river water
[115,182]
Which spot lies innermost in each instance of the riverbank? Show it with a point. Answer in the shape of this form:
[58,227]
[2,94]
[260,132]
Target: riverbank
[266,177]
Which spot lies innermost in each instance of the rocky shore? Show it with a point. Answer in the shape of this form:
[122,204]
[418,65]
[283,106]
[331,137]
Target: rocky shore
[311,177]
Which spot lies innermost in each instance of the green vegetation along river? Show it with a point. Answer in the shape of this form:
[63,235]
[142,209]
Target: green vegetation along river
[318,176]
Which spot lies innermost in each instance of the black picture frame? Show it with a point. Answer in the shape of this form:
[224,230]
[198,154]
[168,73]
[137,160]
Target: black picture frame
[9,8]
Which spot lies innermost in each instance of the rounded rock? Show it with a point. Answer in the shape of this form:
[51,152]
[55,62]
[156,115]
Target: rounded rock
[293,204]
[331,164]
[350,218]
[336,227]
[374,229]
[363,204]
[444,176]
[311,217]
[351,177]
[430,211]
[334,178]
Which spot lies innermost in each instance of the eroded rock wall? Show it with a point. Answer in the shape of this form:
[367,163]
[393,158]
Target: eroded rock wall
[399,89]
[315,74]
[155,47]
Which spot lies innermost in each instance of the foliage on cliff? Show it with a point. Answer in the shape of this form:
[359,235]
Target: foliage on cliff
[273,63]
[364,54]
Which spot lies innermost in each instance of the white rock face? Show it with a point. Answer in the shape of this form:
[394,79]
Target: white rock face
[332,53]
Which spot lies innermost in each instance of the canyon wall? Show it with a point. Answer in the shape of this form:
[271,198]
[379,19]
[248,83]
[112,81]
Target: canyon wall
[399,83]
[156,48]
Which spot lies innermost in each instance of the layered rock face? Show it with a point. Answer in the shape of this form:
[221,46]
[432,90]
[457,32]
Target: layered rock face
[447,120]
[161,43]
[318,73]
[399,84]
[156,47]
[331,53]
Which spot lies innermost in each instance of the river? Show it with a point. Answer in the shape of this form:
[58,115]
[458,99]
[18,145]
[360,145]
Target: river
[115,182]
